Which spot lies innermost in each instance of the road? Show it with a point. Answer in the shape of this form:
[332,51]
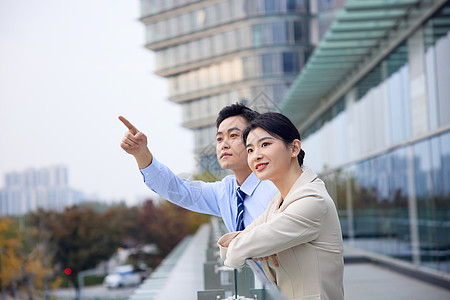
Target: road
[95,292]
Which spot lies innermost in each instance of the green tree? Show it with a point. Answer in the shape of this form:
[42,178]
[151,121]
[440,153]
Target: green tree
[166,225]
[121,221]
[81,237]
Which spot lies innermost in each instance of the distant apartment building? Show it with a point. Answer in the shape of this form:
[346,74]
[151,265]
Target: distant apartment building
[45,188]
[215,53]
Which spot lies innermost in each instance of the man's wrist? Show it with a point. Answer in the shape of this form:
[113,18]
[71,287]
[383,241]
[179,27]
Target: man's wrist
[144,160]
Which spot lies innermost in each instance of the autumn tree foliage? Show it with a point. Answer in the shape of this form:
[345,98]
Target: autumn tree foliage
[165,225]
[23,264]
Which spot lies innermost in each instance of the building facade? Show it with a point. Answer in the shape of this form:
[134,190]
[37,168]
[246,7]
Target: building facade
[45,188]
[218,52]
[371,100]
[375,123]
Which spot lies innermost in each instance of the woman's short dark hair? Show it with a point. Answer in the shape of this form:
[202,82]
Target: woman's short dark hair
[277,125]
[237,109]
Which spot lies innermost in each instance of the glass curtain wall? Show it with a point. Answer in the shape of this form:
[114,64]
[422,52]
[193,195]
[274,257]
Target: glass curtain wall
[394,199]
[216,14]
[374,198]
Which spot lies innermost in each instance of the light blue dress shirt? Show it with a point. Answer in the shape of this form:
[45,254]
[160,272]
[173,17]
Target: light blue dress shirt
[213,198]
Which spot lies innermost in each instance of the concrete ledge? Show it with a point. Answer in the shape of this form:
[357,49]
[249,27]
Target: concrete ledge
[355,255]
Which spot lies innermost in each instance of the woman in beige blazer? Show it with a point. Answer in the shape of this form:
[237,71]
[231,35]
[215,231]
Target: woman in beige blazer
[300,227]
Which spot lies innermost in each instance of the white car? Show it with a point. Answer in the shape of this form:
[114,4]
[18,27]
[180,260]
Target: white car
[122,276]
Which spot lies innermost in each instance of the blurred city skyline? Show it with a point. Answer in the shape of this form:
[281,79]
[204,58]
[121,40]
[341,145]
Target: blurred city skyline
[68,70]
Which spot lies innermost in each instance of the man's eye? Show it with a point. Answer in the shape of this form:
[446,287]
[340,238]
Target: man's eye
[219,139]
[233,135]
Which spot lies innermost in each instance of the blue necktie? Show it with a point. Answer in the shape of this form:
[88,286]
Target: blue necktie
[240,195]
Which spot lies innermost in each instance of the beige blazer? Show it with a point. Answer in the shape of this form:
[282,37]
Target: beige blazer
[305,234]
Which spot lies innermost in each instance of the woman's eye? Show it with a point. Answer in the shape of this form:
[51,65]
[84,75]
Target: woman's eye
[249,150]
[219,139]
[265,144]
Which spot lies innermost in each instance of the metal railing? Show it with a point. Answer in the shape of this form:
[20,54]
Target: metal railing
[221,282]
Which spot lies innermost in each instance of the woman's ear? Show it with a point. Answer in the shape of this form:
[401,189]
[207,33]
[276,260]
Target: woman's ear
[296,146]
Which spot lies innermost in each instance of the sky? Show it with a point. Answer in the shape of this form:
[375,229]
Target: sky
[68,69]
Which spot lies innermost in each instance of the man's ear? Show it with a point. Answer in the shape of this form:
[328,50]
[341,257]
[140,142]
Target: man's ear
[296,146]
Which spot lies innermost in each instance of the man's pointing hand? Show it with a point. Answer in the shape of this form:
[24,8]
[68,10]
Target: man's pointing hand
[135,143]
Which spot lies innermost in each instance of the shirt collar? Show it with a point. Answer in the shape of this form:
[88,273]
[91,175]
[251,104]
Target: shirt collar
[250,184]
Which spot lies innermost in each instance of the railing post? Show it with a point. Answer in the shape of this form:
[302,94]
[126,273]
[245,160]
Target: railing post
[235,284]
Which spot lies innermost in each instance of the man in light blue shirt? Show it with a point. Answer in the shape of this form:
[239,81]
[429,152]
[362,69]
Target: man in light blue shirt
[217,198]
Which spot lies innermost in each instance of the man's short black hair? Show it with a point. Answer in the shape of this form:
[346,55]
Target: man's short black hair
[237,109]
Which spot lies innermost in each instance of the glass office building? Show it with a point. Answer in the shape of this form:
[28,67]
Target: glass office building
[215,53]
[373,108]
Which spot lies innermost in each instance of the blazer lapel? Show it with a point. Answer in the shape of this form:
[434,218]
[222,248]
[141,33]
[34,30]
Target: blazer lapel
[307,176]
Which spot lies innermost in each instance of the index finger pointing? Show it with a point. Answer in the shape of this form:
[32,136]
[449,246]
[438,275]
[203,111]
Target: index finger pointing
[129,125]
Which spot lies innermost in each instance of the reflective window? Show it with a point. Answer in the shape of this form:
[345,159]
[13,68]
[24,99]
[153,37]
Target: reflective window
[224,11]
[170,55]
[263,35]
[443,73]
[185,23]
[369,82]
[211,17]
[398,196]
[226,42]
[291,5]
[290,62]
[193,20]
[442,199]
[272,6]
[298,33]
[184,53]
[254,7]
[194,49]
[433,209]
[257,35]
[172,26]
[437,60]
[399,117]
[398,94]
[279,32]
[379,217]
[202,48]
[218,44]
[445,165]
[268,62]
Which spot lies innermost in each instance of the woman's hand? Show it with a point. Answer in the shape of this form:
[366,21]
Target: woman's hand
[273,258]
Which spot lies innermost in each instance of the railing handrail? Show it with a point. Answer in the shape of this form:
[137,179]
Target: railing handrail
[267,284]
